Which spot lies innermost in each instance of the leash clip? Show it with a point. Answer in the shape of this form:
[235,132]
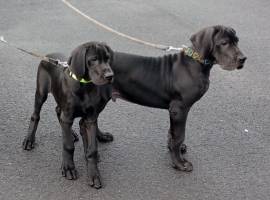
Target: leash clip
[171,48]
[64,64]
[58,62]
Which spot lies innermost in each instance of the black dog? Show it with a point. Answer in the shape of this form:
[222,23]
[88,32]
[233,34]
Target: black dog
[176,82]
[79,91]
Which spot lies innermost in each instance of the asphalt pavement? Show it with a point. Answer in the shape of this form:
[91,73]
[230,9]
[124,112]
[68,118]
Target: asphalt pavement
[228,130]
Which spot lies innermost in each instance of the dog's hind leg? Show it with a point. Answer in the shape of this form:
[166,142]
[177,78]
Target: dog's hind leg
[58,113]
[178,116]
[40,98]
[104,136]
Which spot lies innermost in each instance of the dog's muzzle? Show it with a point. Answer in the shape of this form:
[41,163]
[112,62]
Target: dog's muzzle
[241,61]
[108,75]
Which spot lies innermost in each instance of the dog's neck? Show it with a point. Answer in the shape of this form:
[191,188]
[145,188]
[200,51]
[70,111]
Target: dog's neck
[191,52]
[204,65]
[76,84]
[81,80]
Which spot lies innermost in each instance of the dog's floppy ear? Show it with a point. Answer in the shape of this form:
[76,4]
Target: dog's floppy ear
[110,51]
[231,33]
[203,41]
[76,61]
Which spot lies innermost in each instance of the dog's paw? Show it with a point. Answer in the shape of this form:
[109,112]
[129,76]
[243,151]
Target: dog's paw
[183,166]
[28,144]
[104,137]
[69,172]
[75,136]
[95,181]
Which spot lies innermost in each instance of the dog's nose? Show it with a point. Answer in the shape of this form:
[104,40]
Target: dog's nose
[108,76]
[242,59]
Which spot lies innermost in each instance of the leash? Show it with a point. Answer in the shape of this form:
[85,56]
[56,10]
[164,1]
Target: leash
[187,50]
[156,46]
[50,60]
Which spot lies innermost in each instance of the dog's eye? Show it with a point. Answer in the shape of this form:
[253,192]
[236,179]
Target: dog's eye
[224,43]
[107,57]
[94,58]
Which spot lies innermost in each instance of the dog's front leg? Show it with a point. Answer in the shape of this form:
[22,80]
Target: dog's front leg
[88,131]
[68,166]
[178,116]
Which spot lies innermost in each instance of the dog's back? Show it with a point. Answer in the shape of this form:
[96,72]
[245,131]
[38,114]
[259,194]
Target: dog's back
[50,72]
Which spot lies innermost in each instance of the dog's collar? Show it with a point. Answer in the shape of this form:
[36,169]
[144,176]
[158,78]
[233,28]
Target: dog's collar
[82,80]
[196,56]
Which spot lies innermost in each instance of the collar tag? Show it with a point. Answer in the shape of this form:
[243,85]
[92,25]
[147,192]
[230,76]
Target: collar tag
[207,62]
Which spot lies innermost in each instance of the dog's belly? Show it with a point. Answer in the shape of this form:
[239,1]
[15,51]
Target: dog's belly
[141,97]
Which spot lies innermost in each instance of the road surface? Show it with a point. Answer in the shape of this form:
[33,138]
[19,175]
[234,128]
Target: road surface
[228,130]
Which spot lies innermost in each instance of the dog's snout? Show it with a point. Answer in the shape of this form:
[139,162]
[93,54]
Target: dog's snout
[108,75]
[242,59]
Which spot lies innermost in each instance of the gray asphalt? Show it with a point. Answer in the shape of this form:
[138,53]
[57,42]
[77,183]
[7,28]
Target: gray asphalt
[229,161]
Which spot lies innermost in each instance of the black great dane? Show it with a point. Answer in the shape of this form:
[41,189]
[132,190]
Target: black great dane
[81,90]
[175,82]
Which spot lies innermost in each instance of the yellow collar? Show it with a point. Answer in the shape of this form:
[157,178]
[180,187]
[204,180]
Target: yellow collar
[82,80]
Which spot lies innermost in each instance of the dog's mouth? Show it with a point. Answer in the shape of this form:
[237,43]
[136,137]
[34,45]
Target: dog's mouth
[240,67]
[102,80]
[240,62]
[232,66]
[228,68]
[108,76]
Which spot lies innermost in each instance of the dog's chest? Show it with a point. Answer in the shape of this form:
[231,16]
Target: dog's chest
[194,89]
[203,85]
[87,104]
